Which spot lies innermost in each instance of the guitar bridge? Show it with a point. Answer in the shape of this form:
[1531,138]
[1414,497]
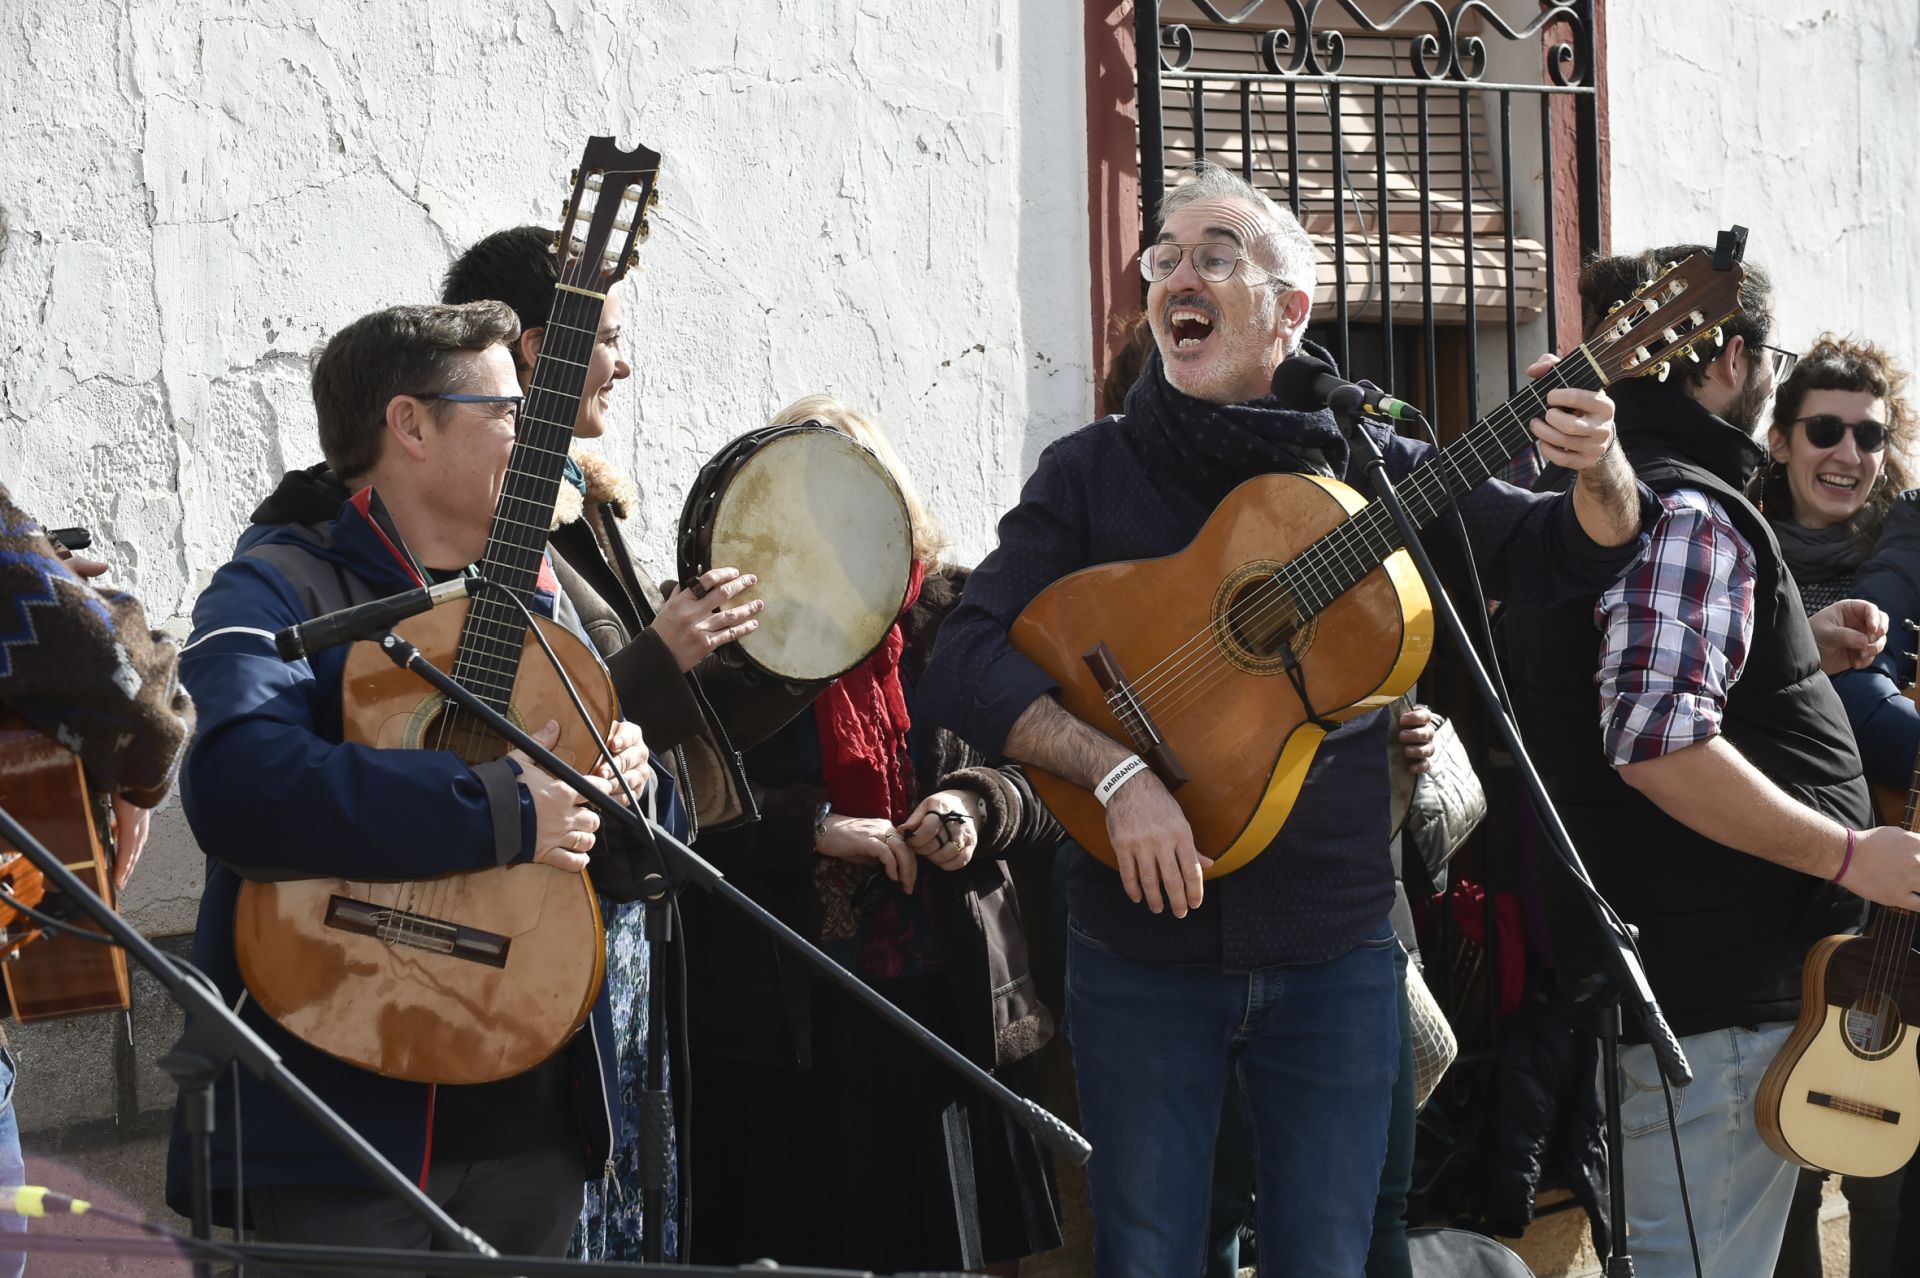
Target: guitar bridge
[419,931]
[1135,720]
[1860,1109]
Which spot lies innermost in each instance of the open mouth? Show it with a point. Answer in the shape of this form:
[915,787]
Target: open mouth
[1190,328]
[1839,485]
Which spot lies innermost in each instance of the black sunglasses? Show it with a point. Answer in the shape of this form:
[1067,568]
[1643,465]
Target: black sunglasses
[1826,430]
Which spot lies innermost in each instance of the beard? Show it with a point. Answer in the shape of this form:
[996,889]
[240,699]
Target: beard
[1751,403]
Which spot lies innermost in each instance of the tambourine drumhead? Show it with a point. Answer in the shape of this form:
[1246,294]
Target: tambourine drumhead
[817,517]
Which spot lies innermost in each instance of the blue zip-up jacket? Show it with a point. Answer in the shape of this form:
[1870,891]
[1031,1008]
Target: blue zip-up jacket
[269,789]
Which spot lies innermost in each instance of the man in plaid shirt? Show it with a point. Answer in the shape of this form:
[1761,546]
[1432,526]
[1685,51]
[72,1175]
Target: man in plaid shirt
[1718,804]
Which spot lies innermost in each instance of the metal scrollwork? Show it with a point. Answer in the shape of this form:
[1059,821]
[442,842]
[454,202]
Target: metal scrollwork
[1470,51]
[1298,46]
[1178,37]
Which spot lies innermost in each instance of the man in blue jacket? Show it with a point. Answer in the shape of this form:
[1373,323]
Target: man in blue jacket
[416,408]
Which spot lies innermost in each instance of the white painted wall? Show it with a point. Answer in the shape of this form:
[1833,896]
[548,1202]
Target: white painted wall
[1796,118]
[884,199]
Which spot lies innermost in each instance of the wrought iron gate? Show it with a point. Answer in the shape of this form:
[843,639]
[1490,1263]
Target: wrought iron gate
[1392,135]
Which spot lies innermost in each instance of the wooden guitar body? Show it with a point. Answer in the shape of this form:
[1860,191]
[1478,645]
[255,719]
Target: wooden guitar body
[1223,702]
[44,787]
[1844,1093]
[465,978]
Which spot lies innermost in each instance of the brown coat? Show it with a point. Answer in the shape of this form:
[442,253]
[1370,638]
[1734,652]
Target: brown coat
[617,604]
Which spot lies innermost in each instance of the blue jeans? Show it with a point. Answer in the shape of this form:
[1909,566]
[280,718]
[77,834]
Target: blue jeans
[1316,1049]
[13,1169]
[1740,1189]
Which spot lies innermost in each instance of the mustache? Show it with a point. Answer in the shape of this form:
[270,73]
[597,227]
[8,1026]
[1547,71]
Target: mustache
[1189,302]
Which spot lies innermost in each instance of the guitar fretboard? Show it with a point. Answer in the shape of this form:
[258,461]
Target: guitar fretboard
[488,658]
[1338,561]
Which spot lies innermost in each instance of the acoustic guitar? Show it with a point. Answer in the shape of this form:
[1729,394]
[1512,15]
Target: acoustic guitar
[480,975]
[1843,1095]
[1296,606]
[49,975]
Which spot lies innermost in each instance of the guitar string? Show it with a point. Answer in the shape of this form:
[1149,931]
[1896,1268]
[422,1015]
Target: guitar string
[1615,343]
[1323,554]
[494,635]
[1371,527]
[1332,556]
[1617,340]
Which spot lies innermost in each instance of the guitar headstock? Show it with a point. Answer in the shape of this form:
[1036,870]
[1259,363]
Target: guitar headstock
[605,215]
[1673,315]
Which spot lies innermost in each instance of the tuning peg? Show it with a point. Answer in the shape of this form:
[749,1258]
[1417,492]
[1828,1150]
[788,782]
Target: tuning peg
[646,229]
[553,249]
[653,197]
[566,211]
[1719,336]
[633,261]
[1616,306]
[1692,354]
[1660,373]
[573,178]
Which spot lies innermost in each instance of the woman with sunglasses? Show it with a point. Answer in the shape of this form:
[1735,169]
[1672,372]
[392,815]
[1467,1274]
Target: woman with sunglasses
[1836,496]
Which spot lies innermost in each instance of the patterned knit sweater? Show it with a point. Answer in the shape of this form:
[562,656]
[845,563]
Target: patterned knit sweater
[81,665]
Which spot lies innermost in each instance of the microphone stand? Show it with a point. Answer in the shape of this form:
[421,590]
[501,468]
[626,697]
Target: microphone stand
[683,865]
[1627,979]
[214,1037]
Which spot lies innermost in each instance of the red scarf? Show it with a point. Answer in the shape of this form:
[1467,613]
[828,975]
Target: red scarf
[863,724]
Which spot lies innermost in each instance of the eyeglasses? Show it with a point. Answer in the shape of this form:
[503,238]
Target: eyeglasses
[1783,360]
[517,402]
[1825,431]
[1213,260]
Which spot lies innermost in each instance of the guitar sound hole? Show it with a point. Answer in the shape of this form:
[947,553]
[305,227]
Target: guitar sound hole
[1873,1024]
[452,728]
[1264,621]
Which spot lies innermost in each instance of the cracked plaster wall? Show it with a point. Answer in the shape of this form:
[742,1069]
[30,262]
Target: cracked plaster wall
[1794,118]
[884,199]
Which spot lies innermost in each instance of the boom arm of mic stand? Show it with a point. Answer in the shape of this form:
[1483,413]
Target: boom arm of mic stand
[224,1032]
[688,865]
[1628,974]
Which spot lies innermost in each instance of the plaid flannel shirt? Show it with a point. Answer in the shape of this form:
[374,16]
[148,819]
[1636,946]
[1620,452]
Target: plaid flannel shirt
[1677,629]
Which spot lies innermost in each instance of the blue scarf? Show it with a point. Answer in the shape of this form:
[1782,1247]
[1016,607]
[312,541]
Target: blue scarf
[1216,447]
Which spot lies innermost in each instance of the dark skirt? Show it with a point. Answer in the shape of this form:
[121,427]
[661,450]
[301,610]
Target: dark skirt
[879,1157]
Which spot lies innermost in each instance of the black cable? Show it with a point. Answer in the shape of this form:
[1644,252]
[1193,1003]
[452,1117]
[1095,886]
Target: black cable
[1492,664]
[50,924]
[1680,1167]
[686,1084]
[672,891]
[1483,632]
[66,1205]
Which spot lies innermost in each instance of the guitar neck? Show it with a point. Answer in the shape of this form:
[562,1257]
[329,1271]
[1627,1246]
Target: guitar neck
[1338,561]
[488,659]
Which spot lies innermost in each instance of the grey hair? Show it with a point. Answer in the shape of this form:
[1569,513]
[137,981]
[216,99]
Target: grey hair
[1285,245]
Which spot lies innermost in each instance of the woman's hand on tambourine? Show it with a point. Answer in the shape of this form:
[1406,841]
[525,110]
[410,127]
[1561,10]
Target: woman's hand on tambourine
[695,619]
[869,840]
[945,828]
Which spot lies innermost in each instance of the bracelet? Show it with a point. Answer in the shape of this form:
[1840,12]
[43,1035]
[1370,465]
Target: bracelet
[1123,772]
[1846,860]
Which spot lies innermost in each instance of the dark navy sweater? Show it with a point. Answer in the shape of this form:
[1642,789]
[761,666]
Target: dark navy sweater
[1325,883]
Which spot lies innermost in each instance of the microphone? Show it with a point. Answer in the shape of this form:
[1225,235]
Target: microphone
[1302,379]
[333,628]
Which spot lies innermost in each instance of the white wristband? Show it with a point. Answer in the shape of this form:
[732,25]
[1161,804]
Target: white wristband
[1122,773]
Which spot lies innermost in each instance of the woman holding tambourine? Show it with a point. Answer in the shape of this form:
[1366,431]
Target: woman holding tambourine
[821,1137]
